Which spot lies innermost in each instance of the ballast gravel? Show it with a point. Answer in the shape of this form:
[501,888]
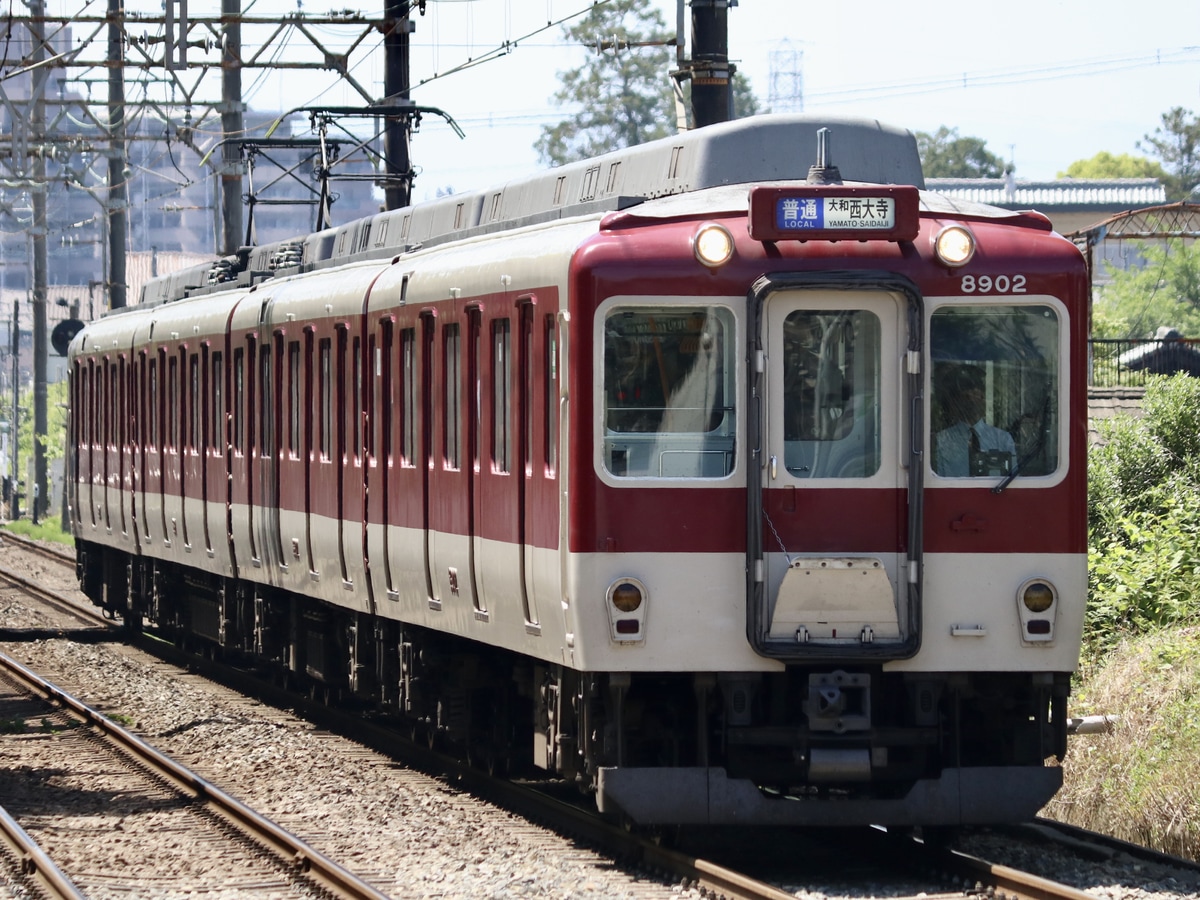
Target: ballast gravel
[414,836]
[409,834]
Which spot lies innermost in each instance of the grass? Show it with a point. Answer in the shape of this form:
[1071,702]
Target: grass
[48,529]
[1142,781]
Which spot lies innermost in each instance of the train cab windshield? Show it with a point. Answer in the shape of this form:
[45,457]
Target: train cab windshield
[669,386]
[994,391]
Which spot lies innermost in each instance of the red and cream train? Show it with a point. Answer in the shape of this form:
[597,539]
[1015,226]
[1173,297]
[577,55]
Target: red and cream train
[734,489]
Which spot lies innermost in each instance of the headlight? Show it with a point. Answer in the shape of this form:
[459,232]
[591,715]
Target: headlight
[713,244]
[954,245]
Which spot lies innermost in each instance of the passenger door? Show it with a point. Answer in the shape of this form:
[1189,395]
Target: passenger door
[838,535]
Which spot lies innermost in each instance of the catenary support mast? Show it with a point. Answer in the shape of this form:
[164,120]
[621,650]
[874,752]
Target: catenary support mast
[117,202]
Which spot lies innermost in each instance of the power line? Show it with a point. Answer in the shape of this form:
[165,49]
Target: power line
[1004,77]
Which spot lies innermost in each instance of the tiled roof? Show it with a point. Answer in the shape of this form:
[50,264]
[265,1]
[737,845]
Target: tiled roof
[1104,403]
[1085,193]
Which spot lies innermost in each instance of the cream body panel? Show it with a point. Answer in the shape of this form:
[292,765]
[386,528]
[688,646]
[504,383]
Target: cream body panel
[969,614]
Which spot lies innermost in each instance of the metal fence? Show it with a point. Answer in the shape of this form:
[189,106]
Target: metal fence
[1126,363]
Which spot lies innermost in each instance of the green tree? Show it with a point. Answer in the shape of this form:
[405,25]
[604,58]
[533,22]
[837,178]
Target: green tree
[1164,291]
[1105,165]
[1177,143]
[945,154]
[622,95]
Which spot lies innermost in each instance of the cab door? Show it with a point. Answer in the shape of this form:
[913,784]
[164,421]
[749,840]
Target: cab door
[838,536]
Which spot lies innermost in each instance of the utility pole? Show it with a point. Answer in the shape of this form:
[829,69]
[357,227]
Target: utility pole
[40,147]
[14,428]
[232,124]
[117,204]
[712,99]
[397,137]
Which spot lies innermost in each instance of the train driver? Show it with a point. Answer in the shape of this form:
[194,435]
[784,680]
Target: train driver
[967,444]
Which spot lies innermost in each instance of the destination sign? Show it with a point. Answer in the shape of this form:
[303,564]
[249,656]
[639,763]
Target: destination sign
[834,212]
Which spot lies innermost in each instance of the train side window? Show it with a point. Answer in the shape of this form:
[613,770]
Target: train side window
[382,445]
[501,395]
[452,381]
[831,413]
[80,409]
[193,402]
[356,406]
[239,394]
[408,397]
[122,399]
[204,399]
[152,436]
[218,402]
[551,387]
[266,432]
[325,412]
[293,398]
[173,400]
[668,392]
[994,390]
[110,397]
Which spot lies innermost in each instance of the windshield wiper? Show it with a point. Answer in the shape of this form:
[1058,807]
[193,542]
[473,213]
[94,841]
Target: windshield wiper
[1037,448]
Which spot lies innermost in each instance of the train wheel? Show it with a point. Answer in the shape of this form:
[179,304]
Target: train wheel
[319,693]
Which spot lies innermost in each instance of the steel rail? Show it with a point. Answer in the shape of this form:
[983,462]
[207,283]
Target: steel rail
[64,556]
[53,599]
[35,864]
[1012,883]
[292,850]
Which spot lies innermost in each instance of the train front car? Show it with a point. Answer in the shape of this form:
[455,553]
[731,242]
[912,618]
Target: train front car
[827,557]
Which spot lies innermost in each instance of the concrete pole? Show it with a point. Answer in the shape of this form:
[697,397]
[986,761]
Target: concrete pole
[37,125]
[118,181]
[397,136]
[710,62]
[233,126]
[14,430]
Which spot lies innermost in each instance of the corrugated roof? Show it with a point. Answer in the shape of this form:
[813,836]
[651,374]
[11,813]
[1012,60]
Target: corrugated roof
[1097,193]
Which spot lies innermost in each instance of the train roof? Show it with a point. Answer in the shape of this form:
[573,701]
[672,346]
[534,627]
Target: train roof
[675,175]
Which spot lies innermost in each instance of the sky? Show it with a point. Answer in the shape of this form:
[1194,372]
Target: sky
[1043,82]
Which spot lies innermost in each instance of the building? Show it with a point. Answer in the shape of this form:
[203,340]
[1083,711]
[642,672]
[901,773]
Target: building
[173,199]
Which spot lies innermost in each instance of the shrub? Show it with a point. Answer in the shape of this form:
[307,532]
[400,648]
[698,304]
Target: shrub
[1144,516]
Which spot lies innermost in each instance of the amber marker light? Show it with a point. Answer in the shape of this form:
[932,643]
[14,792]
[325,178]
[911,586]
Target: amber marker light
[1038,596]
[713,244]
[626,596]
[954,245]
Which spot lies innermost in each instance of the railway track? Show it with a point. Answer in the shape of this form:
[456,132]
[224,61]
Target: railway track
[91,792]
[692,871]
[64,556]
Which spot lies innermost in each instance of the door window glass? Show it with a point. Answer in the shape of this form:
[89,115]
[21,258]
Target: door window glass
[831,415]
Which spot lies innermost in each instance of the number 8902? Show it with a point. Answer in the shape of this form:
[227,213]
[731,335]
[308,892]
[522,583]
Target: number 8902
[993,284]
